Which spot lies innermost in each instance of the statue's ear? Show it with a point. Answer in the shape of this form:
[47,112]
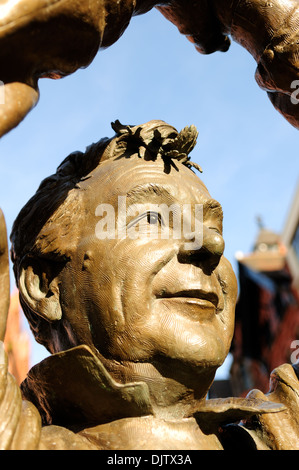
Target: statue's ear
[39,288]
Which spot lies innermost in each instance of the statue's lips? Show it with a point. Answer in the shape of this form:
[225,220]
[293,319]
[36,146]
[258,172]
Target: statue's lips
[205,300]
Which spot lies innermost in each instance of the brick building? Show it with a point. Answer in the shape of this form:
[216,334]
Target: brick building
[267,314]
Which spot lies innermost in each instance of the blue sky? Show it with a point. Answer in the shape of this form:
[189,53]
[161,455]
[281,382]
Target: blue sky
[247,150]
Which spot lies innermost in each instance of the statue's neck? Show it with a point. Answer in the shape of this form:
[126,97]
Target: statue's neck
[173,393]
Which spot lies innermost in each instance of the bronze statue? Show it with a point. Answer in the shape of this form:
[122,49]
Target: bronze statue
[53,38]
[137,309]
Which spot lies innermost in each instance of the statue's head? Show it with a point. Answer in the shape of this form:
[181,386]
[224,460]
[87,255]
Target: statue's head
[122,250]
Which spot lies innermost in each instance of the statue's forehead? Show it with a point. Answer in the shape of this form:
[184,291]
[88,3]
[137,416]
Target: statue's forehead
[115,178]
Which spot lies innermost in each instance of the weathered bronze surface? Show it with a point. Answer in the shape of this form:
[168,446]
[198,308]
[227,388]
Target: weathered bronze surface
[137,325]
[53,38]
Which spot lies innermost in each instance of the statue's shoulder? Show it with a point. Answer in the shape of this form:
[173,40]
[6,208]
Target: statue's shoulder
[279,431]
[59,438]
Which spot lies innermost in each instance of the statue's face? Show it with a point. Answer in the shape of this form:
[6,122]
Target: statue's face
[152,296]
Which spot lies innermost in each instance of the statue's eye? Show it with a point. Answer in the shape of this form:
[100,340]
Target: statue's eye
[154,218]
[144,221]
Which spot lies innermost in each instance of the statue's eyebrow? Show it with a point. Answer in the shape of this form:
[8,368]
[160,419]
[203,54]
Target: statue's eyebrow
[151,189]
[213,208]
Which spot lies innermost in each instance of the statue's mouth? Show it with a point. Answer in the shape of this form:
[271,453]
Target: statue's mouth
[206,302]
[209,298]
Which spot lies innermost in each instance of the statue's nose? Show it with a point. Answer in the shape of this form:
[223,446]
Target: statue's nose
[206,246]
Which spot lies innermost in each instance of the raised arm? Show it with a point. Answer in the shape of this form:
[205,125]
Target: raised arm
[268,30]
[20,423]
[54,38]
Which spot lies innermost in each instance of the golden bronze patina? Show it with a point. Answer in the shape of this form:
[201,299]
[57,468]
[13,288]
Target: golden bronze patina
[54,38]
[136,325]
